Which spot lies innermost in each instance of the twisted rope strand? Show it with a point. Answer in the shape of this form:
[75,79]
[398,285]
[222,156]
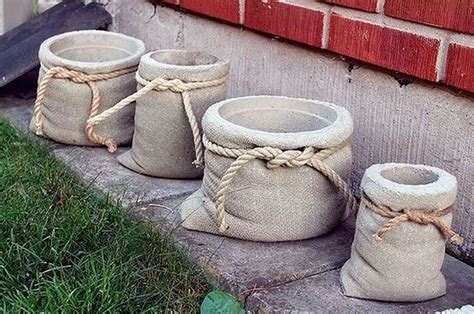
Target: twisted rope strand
[275,158]
[175,86]
[188,109]
[79,78]
[418,216]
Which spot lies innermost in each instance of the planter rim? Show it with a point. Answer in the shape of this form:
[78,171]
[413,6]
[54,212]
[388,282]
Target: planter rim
[333,134]
[51,59]
[438,193]
[150,68]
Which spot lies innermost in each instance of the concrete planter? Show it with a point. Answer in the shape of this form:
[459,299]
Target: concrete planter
[67,104]
[406,265]
[14,13]
[164,141]
[263,202]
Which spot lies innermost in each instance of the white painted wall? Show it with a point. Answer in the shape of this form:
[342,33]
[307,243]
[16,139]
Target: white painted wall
[418,123]
[14,13]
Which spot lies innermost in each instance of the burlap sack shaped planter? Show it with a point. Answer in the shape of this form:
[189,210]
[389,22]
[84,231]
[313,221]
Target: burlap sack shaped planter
[82,74]
[175,88]
[274,168]
[401,227]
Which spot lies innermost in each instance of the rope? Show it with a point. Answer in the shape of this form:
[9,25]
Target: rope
[79,78]
[176,86]
[414,215]
[275,158]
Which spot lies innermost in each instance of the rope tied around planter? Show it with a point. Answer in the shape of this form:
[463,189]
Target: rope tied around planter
[275,158]
[79,78]
[175,86]
[418,216]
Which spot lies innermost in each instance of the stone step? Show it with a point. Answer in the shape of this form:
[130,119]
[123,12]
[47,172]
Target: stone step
[322,292]
[296,276]
[243,267]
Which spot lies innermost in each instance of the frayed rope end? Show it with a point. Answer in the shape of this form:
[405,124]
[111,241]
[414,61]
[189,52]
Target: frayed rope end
[111,145]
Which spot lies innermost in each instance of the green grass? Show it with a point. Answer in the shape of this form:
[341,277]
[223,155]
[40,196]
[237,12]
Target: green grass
[64,248]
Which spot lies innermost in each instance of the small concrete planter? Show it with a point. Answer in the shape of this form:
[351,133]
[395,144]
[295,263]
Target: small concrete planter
[274,194]
[82,74]
[397,257]
[175,89]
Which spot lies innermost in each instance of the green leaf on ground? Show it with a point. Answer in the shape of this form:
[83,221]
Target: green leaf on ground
[220,302]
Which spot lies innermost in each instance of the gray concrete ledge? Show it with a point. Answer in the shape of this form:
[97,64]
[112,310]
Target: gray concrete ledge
[297,276]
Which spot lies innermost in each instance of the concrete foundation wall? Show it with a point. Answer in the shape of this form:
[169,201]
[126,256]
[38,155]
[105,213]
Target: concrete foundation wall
[415,123]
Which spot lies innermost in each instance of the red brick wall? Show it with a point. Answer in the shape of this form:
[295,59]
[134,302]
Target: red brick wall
[429,39]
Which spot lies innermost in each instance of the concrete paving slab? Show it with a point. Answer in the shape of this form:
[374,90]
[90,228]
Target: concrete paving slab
[96,165]
[322,292]
[17,111]
[244,266]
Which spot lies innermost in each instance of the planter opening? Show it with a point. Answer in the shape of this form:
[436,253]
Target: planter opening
[278,115]
[93,48]
[183,58]
[410,176]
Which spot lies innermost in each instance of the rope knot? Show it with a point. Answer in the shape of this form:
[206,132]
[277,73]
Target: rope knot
[174,85]
[291,158]
[418,216]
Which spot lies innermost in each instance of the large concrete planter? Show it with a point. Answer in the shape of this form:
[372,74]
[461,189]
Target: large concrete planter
[401,263]
[86,58]
[167,136]
[269,199]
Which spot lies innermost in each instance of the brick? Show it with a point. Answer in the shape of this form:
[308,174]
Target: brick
[387,47]
[460,67]
[365,5]
[228,10]
[287,20]
[452,14]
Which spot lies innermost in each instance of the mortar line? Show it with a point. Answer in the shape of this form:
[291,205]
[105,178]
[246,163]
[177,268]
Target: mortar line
[380,6]
[242,11]
[442,58]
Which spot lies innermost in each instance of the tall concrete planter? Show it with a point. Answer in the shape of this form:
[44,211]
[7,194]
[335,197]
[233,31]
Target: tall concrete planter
[82,74]
[399,244]
[271,168]
[175,89]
